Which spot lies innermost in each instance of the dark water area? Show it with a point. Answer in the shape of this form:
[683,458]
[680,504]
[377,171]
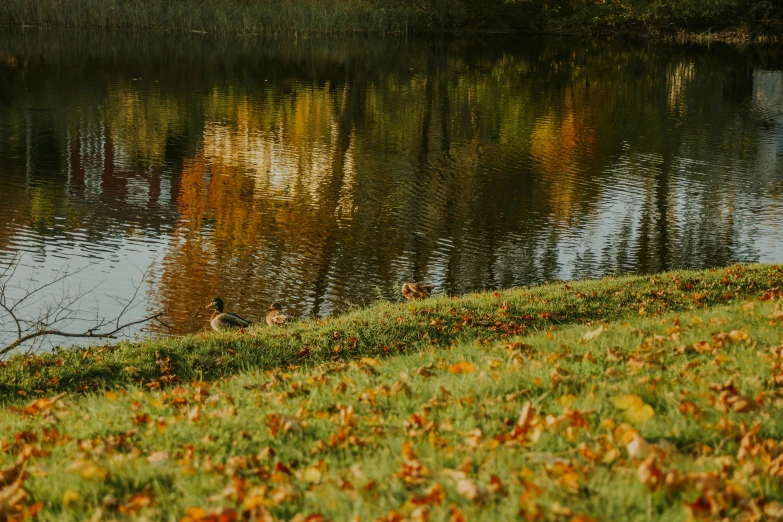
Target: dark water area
[315,172]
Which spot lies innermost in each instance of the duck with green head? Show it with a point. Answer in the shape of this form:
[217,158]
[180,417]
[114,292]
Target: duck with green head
[222,321]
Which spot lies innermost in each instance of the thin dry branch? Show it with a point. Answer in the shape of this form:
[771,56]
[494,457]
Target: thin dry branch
[55,314]
[91,333]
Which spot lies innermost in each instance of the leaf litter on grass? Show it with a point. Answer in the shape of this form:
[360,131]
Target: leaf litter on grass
[502,428]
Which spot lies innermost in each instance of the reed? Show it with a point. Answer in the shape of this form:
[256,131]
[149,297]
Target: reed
[691,20]
[212,16]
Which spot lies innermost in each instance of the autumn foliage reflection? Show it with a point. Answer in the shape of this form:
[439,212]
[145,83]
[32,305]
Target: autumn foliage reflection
[313,173]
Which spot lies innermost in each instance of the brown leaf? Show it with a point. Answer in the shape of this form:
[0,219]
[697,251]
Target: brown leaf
[774,511]
[11,473]
[649,473]
[456,515]
[435,494]
[744,404]
[495,486]
[40,405]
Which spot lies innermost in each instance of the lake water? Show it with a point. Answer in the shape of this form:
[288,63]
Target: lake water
[319,172]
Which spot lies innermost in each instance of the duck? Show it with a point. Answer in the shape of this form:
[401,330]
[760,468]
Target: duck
[222,321]
[274,317]
[413,291]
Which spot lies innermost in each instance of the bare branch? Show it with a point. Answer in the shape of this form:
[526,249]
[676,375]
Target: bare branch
[91,333]
[135,293]
[36,314]
[61,275]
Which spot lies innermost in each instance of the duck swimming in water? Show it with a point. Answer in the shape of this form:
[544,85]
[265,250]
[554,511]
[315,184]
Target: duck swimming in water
[413,291]
[222,321]
[274,317]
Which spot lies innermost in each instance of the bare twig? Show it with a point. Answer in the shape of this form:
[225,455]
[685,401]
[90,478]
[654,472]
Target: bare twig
[55,314]
[91,333]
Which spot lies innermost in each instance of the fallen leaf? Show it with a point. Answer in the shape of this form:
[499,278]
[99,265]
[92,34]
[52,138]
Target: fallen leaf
[638,448]
[88,470]
[69,497]
[589,336]
[158,458]
[634,409]
[462,367]
[469,489]
[649,473]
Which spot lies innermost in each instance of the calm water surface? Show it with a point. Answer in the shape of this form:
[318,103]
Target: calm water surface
[312,172]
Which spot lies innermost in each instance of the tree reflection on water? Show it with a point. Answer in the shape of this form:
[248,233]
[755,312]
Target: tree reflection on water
[310,172]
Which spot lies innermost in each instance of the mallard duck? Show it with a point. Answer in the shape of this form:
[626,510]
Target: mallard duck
[419,290]
[274,317]
[221,321]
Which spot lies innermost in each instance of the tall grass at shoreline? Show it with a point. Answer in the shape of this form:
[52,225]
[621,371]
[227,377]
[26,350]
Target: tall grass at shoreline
[215,16]
[728,20]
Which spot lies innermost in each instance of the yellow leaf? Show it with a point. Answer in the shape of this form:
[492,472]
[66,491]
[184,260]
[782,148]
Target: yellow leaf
[88,470]
[611,455]
[624,402]
[566,400]
[312,475]
[69,497]
[634,409]
[738,335]
[640,415]
[369,361]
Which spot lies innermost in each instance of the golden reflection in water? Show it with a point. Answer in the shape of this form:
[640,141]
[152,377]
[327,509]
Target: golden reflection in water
[311,174]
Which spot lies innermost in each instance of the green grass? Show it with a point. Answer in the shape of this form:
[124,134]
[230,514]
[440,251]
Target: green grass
[384,329]
[415,407]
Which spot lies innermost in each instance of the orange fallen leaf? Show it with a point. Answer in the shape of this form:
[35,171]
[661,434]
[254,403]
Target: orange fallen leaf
[40,405]
[462,367]
[456,515]
[435,494]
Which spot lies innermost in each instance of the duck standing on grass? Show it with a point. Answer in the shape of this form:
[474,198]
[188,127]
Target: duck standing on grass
[274,317]
[222,321]
[419,290]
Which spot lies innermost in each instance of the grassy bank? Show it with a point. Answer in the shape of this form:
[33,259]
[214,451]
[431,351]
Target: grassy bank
[715,19]
[624,399]
[384,329]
